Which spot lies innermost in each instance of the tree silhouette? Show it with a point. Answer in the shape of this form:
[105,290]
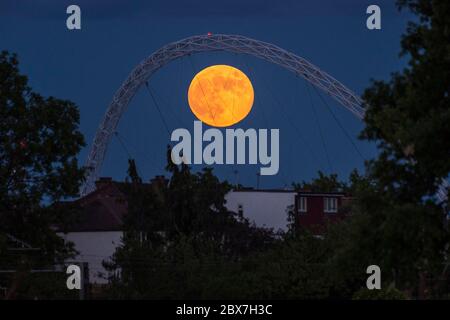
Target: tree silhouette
[39,142]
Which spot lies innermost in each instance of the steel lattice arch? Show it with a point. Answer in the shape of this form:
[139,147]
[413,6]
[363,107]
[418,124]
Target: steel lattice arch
[207,43]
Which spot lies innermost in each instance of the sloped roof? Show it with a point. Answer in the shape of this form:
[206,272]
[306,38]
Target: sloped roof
[102,210]
[105,208]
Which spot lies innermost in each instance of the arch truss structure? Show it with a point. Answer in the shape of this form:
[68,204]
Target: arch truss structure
[207,43]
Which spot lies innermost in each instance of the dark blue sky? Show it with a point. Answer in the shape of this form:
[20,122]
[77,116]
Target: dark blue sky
[88,66]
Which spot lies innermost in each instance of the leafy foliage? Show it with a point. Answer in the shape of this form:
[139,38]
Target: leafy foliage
[39,142]
[322,183]
[409,115]
[180,235]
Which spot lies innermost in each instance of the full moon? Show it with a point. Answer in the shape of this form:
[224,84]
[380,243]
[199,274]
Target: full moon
[220,95]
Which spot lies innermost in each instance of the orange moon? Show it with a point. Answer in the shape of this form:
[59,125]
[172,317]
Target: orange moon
[220,95]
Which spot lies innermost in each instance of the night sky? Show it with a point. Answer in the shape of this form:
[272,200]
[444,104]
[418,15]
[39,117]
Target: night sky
[87,66]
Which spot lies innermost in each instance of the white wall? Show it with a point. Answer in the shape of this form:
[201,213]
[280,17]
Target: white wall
[94,247]
[266,209]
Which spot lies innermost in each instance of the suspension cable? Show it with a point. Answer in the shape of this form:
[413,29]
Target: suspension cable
[263,113]
[124,144]
[116,134]
[283,176]
[203,92]
[330,166]
[339,124]
[157,107]
[169,106]
[289,120]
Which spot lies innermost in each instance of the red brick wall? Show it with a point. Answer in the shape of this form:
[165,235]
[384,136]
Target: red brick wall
[315,219]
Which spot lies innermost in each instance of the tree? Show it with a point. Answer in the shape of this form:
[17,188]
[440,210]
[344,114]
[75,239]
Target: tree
[179,235]
[295,268]
[396,221]
[39,142]
[323,183]
[408,117]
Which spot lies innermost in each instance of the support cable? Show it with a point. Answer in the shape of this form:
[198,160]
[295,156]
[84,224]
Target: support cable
[124,146]
[289,120]
[340,124]
[283,176]
[330,166]
[169,106]
[157,107]
[203,92]
[121,142]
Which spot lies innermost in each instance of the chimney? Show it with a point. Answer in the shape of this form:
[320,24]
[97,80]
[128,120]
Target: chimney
[102,181]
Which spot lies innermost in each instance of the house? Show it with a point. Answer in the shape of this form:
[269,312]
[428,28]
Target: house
[314,210]
[269,208]
[99,229]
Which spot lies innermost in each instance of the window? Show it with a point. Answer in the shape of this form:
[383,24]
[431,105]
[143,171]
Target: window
[330,205]
[302,204]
